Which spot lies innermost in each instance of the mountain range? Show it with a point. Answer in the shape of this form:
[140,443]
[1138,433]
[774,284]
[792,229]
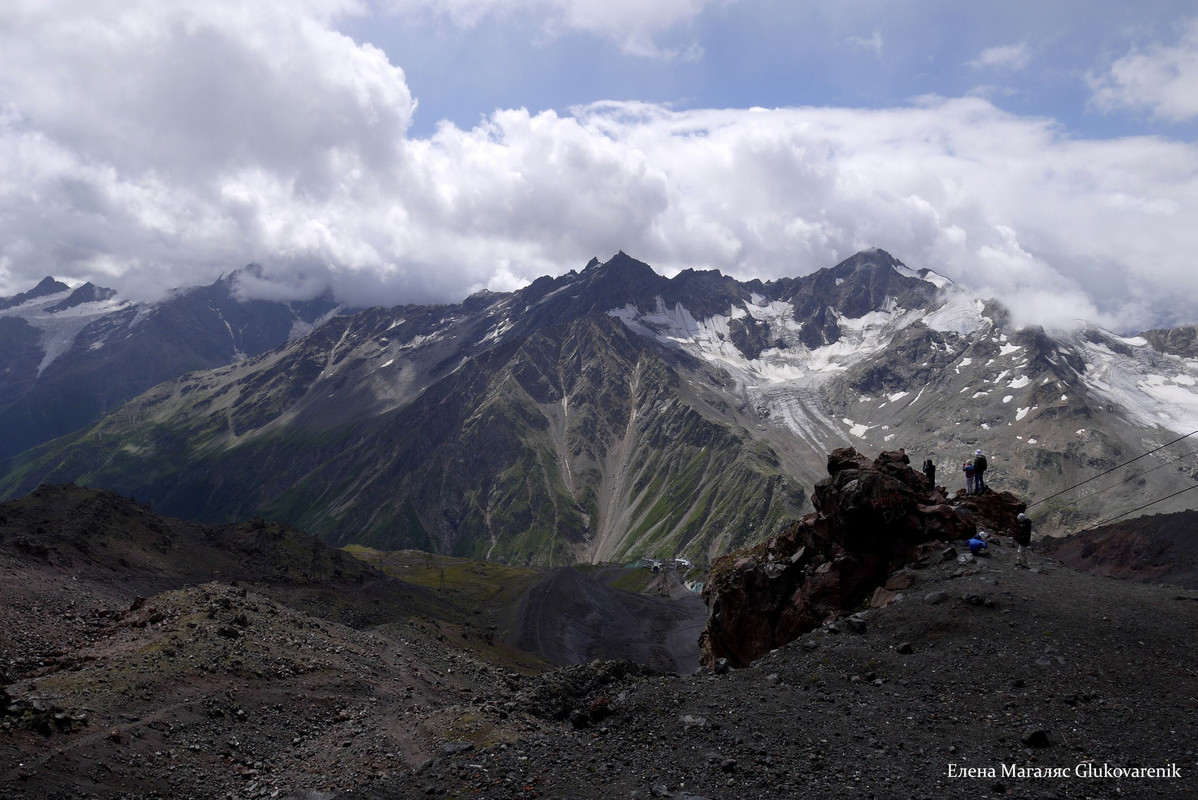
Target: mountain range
[69,356]
[604,414]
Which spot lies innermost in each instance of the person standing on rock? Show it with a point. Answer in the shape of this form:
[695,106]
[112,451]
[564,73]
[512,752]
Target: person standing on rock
[929,469]
[968,477]
[1023,538]
[979,472]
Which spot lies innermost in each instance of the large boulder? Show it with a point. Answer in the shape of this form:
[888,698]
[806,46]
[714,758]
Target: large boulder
[870,518]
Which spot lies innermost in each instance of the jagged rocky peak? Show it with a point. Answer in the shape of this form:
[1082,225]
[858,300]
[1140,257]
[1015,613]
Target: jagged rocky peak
[879,264]
[619,282]
[624,281]
[874,259]
[706,293]
[87,293]
[624,275]
[871,279]
[47,286]
[482,300]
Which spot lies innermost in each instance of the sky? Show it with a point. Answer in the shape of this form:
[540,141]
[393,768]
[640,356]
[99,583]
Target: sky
[410,151]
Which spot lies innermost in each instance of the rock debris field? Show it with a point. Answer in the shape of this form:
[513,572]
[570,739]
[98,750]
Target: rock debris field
[977,680]
[980,681]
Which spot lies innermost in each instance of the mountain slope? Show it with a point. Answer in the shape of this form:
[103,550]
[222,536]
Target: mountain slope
[71,356]
[1158,548]
[148,656]
[574,441]
[1044,682]
[612,412]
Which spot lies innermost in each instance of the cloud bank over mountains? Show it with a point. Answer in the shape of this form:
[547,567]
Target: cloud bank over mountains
[146,145]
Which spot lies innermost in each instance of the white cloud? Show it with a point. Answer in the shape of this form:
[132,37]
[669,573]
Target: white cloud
[1161,79]
[133,128]
[147,145]
[1061,229]
[1008,56]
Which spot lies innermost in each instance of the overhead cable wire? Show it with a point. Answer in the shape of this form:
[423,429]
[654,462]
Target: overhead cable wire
[1131,478]
[1112,469]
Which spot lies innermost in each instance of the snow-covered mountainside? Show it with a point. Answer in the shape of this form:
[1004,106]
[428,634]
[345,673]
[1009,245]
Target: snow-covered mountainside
[611,412]
[1150,387]
[71,355]
[59,314]
[946,377]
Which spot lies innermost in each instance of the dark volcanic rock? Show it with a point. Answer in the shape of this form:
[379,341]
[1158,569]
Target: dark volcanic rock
[581,688]
[1159,548]
[870,519]
[992,511]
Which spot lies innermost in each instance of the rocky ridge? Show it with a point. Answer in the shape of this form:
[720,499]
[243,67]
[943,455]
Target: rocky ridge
[871,518]
[145,656]
[977,680]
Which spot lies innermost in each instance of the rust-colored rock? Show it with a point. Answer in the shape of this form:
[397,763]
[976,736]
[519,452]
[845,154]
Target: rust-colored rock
[903,579]
[882,597]
[870,519]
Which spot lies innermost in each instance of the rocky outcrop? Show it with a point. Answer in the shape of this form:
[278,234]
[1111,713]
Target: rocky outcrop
[1181,341]
[870,519]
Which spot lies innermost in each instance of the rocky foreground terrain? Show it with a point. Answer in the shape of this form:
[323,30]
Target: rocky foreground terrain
[983,680]
[138,661]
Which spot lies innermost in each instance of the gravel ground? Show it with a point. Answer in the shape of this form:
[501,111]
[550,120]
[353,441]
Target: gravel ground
[571,618]
[980,680]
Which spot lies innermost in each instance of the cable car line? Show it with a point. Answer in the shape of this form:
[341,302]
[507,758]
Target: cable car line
[1112,469]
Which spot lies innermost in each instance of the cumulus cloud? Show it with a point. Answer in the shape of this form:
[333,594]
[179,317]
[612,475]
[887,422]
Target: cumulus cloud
[147,137]
[1161,79]
[149,145]
[1004,204]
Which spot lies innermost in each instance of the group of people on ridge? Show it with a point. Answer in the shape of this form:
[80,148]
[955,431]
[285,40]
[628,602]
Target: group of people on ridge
[975,473]
[975,483]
